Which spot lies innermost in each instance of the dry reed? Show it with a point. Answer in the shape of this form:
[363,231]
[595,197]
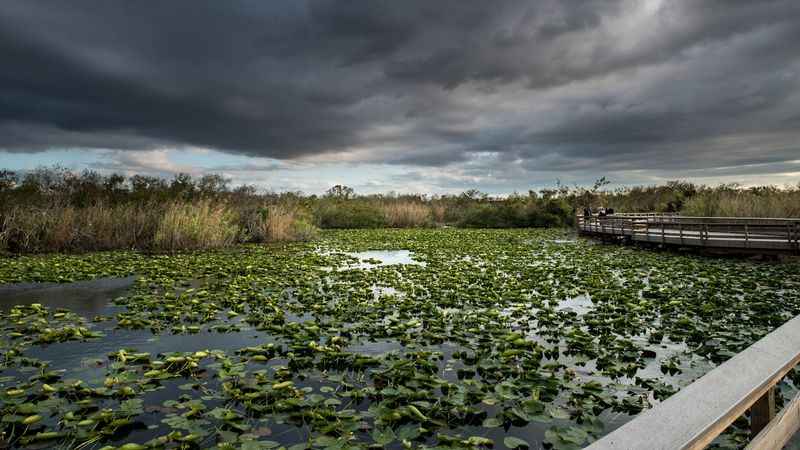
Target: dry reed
[278,222]
[188,226]
[406,214]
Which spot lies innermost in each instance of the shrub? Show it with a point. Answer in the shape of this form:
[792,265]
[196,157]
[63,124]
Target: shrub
[349,214]
[488,215]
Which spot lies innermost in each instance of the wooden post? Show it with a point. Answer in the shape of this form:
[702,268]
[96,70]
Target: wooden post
[746,236]
[789,233]
[796,236]
[780,430]
[762,412]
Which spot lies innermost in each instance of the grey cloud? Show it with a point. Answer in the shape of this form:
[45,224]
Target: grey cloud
[290,79]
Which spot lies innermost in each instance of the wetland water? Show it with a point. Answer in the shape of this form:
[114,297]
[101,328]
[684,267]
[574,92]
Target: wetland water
[421,338]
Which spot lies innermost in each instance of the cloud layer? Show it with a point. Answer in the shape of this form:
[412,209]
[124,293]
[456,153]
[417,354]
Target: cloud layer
[510,87]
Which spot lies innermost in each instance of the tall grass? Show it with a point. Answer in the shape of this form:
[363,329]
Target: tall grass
[170,227]
[744,203]
[161,227]
[67,228]
[189,226]
[438,212]
[278,222]
[54,209]
[406,214]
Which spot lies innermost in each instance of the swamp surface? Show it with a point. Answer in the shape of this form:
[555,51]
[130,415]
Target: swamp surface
[439,338]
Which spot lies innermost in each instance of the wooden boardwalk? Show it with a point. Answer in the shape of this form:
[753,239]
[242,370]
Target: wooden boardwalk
[747,234]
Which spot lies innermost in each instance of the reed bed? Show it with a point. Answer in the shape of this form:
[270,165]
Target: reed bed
[191,226]
[406,214]
[278,222]
[56,210]
[734,203]
[163,227]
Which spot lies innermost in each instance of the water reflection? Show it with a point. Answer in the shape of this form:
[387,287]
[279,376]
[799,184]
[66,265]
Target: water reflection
[580,304]
[86,298]
[378,258]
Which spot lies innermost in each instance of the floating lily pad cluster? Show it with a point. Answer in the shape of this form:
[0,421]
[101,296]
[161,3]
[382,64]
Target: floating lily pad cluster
[488,339]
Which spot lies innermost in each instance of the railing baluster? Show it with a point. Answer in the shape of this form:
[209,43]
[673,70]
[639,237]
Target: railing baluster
[746,236]
[762,412]
[729,232]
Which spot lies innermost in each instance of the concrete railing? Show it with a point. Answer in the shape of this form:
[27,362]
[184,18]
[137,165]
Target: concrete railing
[698,413]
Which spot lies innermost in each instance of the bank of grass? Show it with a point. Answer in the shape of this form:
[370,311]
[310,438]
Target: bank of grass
[277,222]
[763,202]
[158,227]
[34,229]
[198,225]
[56,210]
[727,200]
[407,214]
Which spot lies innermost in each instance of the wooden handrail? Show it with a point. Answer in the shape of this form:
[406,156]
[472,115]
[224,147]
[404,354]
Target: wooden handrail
[698,413]
[752,234]
[678,216]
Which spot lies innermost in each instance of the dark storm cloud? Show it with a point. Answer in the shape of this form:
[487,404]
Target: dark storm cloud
[552,85]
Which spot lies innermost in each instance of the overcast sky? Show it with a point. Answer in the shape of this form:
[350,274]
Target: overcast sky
[412,95]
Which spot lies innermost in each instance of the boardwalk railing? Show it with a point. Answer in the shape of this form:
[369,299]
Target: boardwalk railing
[698,413]
[721,232]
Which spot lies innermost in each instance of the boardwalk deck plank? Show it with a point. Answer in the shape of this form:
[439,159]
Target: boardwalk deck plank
[722,233]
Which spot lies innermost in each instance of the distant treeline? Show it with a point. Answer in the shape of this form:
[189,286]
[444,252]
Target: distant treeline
[54,209]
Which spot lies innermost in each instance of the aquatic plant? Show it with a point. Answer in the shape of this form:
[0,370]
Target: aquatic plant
[482,338]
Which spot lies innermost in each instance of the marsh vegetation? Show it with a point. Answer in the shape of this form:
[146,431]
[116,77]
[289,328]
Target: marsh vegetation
[55,210]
